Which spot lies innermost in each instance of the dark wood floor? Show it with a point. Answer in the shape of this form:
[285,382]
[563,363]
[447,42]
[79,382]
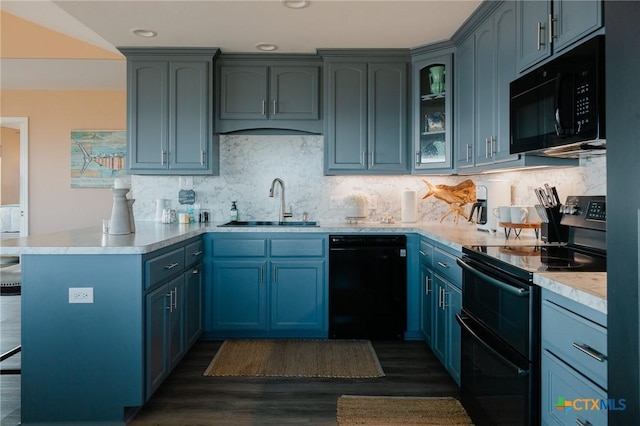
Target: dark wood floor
[189,398]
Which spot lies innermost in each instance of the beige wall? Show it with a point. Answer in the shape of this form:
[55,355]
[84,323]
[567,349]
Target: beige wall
[10,172]
[53,204]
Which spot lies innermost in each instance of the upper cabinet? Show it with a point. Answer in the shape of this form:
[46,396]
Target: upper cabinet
[170,110]
[547,27]
[280,93]
[486,65]
[432,113]
[366,117]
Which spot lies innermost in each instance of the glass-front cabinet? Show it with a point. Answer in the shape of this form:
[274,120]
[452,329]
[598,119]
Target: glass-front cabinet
[432,117]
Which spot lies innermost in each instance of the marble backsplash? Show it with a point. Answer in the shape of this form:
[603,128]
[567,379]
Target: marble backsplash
[249,163]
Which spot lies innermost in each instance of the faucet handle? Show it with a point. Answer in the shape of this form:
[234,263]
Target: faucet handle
[289,213]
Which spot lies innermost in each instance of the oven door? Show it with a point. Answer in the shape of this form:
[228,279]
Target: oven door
[498,386]
[503,304]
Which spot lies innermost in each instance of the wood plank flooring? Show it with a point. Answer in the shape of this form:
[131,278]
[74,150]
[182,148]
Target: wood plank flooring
[189,398]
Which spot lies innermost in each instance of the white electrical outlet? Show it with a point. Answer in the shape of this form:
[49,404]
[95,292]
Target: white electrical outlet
[80,294]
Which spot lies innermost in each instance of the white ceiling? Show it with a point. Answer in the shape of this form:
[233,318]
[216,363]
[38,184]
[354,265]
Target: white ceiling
[232,25]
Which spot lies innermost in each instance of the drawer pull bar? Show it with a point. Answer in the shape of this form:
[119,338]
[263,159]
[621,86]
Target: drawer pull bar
[196,253]
[583,423]
[590,351]
[444,265]
[423,253]
[171,266]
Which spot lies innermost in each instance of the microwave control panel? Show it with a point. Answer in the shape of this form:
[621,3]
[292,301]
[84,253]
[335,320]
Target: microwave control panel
[584,103]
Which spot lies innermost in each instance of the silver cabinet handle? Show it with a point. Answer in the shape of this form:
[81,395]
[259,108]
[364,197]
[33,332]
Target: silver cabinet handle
[418,156]
[264,107]
[175,299]
[362,158]
[583,423]
[163,156]
[442,264]
[422,253]
[171,266]
[195,271]
[487,147]
[468,152]
[540,27]
[444,299]
[275,107]
[427,284]
[372,155]
[600,357]
[492,145]
[170,295]
[551,21]
[201,157]
[196,253]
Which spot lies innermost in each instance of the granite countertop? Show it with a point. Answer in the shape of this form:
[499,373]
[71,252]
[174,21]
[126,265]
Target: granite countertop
[587,288]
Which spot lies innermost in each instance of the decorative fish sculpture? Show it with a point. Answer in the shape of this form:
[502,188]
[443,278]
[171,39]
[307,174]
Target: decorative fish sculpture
[457,196]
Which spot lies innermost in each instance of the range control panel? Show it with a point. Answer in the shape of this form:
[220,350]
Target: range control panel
[585,211]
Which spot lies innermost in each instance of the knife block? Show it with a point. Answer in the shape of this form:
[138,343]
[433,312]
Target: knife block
[551,230]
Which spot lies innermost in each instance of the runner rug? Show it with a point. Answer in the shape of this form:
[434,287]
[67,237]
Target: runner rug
[378,410]
[296,358]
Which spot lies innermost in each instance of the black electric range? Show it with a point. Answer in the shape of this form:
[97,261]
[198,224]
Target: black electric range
[583,217]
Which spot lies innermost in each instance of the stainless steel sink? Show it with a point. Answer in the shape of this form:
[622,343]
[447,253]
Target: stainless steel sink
[268,223]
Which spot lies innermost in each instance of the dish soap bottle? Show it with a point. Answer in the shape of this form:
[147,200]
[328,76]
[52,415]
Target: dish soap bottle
[233,214]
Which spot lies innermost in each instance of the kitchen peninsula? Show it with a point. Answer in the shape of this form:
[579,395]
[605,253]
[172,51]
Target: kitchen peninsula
[97,362]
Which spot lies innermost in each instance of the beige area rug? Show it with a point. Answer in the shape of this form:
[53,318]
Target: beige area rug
[296,358]
[394,410]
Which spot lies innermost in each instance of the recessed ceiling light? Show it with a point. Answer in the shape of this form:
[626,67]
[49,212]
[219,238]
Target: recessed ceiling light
[266,47]
[295,4]
[141,32]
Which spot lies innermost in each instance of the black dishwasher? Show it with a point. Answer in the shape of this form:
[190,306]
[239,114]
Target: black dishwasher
[367,287]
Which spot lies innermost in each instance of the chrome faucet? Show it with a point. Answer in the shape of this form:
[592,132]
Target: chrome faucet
[283,213]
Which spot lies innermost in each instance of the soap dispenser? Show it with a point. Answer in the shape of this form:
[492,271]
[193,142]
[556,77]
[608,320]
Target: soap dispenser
[233,214]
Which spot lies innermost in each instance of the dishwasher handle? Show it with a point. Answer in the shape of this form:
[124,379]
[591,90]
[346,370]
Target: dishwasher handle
[516,291]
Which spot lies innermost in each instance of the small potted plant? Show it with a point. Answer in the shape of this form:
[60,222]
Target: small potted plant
[356,205]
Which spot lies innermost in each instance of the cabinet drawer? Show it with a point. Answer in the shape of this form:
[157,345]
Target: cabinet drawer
[163,267]
[193,253]
[297,247]
[576,340]
[444,264]
[562,385]
[247,247]
[426,254]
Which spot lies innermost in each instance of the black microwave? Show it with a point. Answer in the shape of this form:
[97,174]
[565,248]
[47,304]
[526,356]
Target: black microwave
[559,108]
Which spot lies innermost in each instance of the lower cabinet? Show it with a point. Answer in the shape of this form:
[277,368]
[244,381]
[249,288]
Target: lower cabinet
[441,300]
[173,310]
[267,286]
[574,364]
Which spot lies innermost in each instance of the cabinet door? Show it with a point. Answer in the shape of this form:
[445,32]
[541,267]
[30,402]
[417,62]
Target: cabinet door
[189,115]
[427,289]
[148,112]
[574,20]
[176,339]
[346,134]
[297,295]
[243,92]
[193,281]
[464,106]
[294,93]
[439,336]
[157,326]
[387,117]
[239,295]
[453,302]
[485,92]
[532,37]
[505,72]
[432,115]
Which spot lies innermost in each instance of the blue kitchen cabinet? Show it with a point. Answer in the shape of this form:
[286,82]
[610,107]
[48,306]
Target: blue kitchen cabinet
[432,112]
[427,289]
[453,302]
[366,117]
[439,337]
[259,92]
[545,28]
[486,65]
[239,295]
[266,285]
[574,362]
[193,288]
[297,295]
[170,111]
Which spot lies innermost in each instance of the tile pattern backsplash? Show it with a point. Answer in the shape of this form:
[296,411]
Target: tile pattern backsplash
[249,163]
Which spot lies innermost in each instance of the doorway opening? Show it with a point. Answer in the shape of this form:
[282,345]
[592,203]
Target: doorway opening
[14,182]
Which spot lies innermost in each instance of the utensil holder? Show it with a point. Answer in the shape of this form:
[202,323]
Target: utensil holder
[552,230]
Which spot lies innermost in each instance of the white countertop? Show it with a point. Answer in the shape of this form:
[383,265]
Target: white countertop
[587,288]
